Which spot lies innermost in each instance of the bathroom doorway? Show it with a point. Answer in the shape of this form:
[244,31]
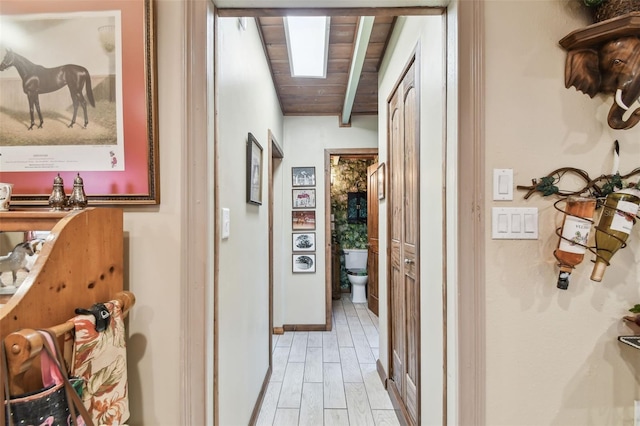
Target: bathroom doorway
[346,228]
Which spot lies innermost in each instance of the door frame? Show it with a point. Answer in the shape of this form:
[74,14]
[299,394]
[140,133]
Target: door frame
[465,216]
[327,219]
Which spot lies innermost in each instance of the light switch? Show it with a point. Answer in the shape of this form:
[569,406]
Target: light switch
[502,184]
[226,223]
[515,223]
[530,223]
[503,223]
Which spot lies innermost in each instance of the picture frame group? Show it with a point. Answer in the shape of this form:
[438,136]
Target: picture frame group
[303,219]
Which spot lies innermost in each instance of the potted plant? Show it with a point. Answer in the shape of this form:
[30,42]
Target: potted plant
[607,9]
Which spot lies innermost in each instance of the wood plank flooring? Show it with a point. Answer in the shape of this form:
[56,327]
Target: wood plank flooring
[329,378]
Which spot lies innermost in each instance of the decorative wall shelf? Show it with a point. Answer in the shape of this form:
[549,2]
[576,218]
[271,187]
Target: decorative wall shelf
[601,58]
[595,34]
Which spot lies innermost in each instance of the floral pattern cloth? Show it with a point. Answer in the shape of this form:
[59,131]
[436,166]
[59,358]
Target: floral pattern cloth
[100,359]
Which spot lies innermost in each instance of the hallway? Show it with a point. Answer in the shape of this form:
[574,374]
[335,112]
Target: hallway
[329,377]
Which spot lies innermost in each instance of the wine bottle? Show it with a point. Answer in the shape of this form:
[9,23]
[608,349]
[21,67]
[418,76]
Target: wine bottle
[575,233]
[614,227]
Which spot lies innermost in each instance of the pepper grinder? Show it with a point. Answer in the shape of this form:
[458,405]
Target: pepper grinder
[78,199]
[57,199]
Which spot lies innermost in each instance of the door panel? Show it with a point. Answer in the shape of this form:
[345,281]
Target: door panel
[372,235]
[404,284]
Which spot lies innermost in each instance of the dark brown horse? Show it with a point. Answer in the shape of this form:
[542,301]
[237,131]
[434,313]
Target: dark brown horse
[37,79]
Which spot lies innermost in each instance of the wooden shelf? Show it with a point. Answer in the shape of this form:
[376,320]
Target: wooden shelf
[595,34]
[31,219]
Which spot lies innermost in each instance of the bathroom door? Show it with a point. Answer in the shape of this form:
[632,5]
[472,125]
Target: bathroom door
[372,236]
[403,273]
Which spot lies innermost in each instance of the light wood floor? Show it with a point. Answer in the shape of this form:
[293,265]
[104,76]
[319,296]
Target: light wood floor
[329,378]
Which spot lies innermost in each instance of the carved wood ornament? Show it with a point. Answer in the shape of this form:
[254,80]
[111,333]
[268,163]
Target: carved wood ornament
[605,58]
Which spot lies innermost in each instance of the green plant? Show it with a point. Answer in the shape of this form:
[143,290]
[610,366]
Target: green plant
[593,3]
[635,309]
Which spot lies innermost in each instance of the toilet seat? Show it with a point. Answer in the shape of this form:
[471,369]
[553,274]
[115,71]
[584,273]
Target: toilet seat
[357,272]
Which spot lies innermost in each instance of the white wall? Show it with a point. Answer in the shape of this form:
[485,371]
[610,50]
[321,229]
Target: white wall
[153,246]
[247,103]
[429,32]
[552,355]
[306,138]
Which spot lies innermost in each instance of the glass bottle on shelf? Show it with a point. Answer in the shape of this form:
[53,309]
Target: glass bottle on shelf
[614,227]
[575,232]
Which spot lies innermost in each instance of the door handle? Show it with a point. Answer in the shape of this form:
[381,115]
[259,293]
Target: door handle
[409,261]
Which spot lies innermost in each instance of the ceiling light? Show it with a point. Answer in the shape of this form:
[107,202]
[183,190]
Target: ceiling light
[308,45]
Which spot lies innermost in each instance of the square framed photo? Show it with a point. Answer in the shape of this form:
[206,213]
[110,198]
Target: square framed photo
[303,176]
[254,171]
[305,263]
[303,220]
[303,198]
[303,241]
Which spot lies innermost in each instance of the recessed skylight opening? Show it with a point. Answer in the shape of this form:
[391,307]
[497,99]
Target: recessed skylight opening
[308,45]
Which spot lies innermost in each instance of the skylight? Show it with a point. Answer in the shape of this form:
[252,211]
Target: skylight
[308,45]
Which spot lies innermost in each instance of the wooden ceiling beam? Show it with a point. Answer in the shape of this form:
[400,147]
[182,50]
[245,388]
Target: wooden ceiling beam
[357,61]
[331,11]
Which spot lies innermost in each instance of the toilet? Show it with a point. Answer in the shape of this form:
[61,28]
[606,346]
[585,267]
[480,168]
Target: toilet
[355,262]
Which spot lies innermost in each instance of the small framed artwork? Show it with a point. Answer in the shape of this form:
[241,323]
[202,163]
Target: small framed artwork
[304,199]
[303,176]
[304,241]
[254,171]
[304,263]
[303,220]
[381,181]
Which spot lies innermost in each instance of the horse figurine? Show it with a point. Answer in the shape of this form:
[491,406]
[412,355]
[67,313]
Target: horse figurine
[37,79]
[15,260]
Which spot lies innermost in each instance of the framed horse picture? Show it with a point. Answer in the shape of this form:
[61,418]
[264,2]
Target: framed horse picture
[68,109]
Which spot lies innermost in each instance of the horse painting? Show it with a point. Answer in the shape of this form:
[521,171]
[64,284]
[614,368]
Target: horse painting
[37,79]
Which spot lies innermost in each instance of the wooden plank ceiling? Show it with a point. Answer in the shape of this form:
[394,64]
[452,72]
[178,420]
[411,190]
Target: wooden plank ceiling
[315,96]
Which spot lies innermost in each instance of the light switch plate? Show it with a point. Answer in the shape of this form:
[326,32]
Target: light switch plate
[514,223]
[502,184]
[226,223]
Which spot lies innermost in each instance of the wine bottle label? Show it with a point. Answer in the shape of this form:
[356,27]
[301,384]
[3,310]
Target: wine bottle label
[623,218]
[574,232]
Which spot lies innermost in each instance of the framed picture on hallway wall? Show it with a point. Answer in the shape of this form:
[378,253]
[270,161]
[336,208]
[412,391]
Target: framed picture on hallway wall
[254,171]
[304,241]
[381,181]
[303,198]
[304,263]
[102,123]
[303,176]
[303,220]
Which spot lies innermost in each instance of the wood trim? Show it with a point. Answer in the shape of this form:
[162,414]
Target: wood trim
[305,327]
[217,225]
[328,11]
[398,405]
[271,141]
[196,224]
[263,391]
[328,275]
[278,330]
[381,373]
[266,55]
[471,212]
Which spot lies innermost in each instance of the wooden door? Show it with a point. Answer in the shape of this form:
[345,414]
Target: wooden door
[404,284]
[372,236]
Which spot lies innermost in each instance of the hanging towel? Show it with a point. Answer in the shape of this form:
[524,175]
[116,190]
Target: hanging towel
[100,358]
